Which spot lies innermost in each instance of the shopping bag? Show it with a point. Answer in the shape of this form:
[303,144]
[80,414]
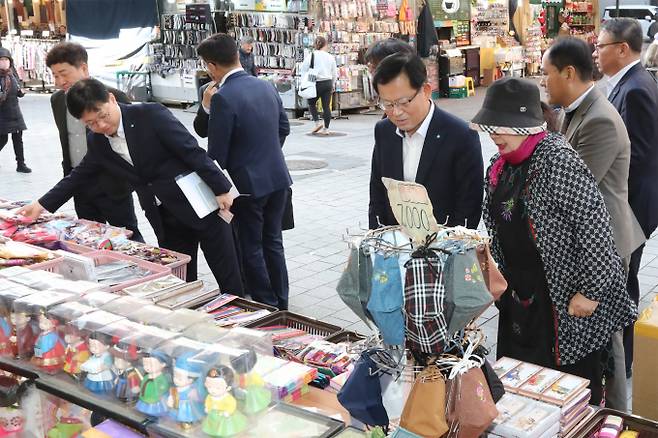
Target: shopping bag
[424,412]
[307,88]
[466,290]
[424,304]
[471,409]
[493,278]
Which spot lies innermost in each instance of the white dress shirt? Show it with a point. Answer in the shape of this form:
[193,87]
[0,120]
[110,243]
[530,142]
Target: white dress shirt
[412,147]
[576,103]
[118,142]
[612,81]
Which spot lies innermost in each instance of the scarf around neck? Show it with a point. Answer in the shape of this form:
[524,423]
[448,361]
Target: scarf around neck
[516,157]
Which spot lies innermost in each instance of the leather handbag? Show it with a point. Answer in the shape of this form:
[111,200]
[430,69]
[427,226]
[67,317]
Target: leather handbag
[471,408]
[424,413]
[493,278]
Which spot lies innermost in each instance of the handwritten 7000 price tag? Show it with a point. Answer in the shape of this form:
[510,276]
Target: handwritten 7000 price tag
[412,208]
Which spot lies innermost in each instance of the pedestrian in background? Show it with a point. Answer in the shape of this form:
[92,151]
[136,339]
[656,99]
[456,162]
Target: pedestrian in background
[247,55]
[382,48]
[11,118]
[324,65]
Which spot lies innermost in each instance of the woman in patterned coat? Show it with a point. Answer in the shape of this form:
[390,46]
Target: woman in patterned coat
[552,239]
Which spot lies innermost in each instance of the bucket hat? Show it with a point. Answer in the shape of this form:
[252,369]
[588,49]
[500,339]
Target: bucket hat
[511,106]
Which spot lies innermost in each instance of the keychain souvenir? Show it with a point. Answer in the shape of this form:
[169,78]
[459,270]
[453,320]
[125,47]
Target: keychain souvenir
[186,396]
[99,378]
[224,419]
[155,385]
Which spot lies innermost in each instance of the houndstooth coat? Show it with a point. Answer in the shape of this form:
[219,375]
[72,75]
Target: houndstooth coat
[571,227]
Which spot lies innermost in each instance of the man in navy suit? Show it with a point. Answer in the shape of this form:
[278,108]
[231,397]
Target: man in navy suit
[419,142]
[246,130]
[634,93]
[146,146]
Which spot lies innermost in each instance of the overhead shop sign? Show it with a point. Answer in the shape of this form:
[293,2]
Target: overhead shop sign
[261,5]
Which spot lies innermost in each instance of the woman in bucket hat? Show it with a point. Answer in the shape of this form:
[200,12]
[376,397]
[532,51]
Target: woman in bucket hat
[552,239]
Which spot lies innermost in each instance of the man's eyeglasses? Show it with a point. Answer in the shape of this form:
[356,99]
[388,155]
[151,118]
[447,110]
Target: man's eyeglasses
[400,103]
[101,117]
[600,46]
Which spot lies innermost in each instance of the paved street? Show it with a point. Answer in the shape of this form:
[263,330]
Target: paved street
[329,202]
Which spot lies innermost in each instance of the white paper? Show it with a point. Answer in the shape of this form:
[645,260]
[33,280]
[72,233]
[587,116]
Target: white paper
[200,196]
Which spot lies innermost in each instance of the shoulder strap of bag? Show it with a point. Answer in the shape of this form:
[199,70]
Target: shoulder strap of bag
[313,59]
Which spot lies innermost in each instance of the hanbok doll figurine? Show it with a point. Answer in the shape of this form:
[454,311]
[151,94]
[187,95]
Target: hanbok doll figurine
[154,390]
[224,419]
[128,378]
[5,332]
[76,352]
[186,396]
[49,347]
[99,378]
[256,396]
[23,336]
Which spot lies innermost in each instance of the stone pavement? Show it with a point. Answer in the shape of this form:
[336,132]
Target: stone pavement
[328,200]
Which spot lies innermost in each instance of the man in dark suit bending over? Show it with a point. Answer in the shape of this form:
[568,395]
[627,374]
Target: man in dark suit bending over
[107,199]
[146,146]
[419,142]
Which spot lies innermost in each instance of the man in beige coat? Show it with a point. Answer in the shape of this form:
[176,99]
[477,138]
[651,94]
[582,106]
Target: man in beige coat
[596,131]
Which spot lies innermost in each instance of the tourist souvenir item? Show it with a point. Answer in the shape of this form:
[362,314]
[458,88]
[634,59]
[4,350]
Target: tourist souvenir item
[99,378]
[224,419]
[187,395]
[49,348]
[256,397]
[128,378]
[154,390]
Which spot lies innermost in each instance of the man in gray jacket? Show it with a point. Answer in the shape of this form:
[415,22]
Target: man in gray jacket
[247,55]
[596,131]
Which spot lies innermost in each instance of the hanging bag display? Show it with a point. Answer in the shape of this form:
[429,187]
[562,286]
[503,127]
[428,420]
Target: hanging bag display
[307,88]
[493,278]
[466,291]
[355,283]
[424,412]
[424,300]
[471,409]
[386,299]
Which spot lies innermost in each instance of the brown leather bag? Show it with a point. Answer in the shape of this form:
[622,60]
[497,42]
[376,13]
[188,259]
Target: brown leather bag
[424,413]
[471,408]
[493,278]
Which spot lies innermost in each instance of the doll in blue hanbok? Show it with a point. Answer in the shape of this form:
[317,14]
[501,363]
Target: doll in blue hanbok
[187,395]
[99,378]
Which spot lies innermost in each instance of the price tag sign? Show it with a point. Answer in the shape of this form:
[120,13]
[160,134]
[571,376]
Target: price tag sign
[412,208]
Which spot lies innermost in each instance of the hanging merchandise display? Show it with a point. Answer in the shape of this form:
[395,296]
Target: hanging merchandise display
[490,20]
[29,55]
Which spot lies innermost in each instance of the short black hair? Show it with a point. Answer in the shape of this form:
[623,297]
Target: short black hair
[393,65]
[219,49]
[86,95]
[572,52]
[66,52]
[383,48]
[627,30]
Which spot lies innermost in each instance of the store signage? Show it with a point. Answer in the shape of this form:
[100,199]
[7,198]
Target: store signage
[445,10]
[271,5]
[245,5]
[412,208]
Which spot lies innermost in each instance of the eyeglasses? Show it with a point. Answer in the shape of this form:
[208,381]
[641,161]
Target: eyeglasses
[600,46]
[400,103]
[101,117]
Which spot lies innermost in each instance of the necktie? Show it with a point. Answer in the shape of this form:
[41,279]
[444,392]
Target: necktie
[567,120]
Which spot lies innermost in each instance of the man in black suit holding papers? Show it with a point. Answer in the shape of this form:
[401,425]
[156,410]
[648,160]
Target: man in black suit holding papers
[145,145]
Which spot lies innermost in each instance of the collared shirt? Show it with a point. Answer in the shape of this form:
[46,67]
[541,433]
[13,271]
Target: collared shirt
[612,81]
[412,147]
[235,70]
[576,103]
[119,144]
[77,139]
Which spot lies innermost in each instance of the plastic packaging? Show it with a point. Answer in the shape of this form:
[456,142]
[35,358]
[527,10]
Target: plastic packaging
[181,319]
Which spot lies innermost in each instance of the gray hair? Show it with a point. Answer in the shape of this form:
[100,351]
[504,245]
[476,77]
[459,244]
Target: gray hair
[626,30]
[246,40]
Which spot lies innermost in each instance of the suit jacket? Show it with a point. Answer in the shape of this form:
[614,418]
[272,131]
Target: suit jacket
[598,134]
[636,98]
[161,150]
[451,169]
[245,131]
[106,183]
[201,119]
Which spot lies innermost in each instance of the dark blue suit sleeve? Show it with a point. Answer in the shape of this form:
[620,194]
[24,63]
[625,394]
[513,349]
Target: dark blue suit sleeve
[201,120]
[284,124]
[469,179]
[379,205]
[638,114]
[220,128]
[180,142]
[83,175]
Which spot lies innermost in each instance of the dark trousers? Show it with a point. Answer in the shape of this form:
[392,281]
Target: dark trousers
[217,244]
[101,208]
[323,92]
[17,140]
[633,287]
[258,223]
[589,368]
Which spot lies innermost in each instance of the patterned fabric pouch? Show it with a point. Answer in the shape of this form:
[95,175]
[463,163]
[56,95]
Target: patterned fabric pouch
[386,299]
[424,303]
[466,290]
[471,409]
[355,283]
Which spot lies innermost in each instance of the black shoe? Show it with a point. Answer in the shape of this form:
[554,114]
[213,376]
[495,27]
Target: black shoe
[22,168]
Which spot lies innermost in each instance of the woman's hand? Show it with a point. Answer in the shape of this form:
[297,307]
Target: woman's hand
[581,307]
